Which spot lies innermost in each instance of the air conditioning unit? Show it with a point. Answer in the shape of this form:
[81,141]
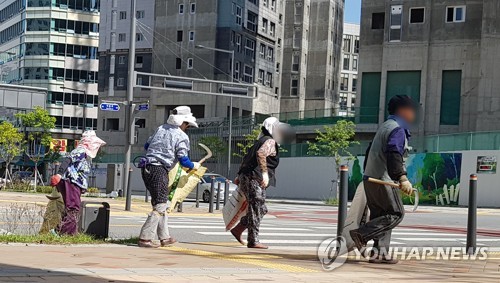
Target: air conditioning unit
[60,103]
[83,81]
[60,78]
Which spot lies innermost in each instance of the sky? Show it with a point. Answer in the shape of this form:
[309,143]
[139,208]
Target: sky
[352,11]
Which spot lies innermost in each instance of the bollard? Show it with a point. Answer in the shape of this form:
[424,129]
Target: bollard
[146,196]
[128,202]
[472,215]
[342,211]
[211,200]
[226,191]
[179,207]
[198,195]
[217,203]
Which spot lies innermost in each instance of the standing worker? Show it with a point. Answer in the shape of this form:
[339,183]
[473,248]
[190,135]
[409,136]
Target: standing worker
[256,174]
[71,179]
[386,161]
[167,146]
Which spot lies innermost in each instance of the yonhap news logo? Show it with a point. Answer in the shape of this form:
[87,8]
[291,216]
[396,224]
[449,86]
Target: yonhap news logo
[332,253]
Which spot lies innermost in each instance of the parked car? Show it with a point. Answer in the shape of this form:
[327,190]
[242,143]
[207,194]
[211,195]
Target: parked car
[205,184]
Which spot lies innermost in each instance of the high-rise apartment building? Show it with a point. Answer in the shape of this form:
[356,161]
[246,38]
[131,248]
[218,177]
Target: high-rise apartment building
[53,45]
[312,52]
[349,71]
[442,53]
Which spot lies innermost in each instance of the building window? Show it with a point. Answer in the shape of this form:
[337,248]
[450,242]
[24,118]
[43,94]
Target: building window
[356,45]
[355,63]
[265,3]
[181,9]
[179,35]
[178,63]
[122,37]
[190,63]
[238,13]
[347,43]
[112,124]
[262,50]
[273,5]
[270,54]
[269,79]
[255,2]
[237,70]
[139,37]
[260,79]
[264,25]
[277,67]
[294,89]
[121,60]
[191,36]
[297,38]
[295,62]
[378,20]
[344,82]
[238,42]
[347,62]
[354,84]
[455,14]
[120,82]
[140,14]
[250,48]
[298,13]
[193,8]
[252,21]
[248,74]
[123,15]
[417,15]
[396,22]
[272,31]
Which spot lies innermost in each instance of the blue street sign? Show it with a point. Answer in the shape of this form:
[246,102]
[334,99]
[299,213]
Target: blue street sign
[110,107]
[143,107]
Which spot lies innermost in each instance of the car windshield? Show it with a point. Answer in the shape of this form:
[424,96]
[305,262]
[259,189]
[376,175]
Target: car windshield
[218,178]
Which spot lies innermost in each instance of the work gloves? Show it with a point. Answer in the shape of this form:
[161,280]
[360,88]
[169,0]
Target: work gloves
[55,179]
[405,185]
[196,166]
[265,180]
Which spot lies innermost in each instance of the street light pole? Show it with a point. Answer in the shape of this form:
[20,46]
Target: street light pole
[230,134]
[129,121]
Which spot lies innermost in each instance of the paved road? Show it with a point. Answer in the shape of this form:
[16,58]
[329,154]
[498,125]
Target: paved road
[303,227]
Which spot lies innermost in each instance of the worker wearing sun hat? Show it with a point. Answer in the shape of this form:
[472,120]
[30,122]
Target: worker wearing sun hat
[167,146]
[71,179]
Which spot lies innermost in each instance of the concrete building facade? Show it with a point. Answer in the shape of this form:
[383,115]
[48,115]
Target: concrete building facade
[442,53]
[312,52]
[53,45]
[349,72]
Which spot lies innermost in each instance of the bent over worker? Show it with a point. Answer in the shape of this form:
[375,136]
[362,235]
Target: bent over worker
[167,146]
[256,174]
[386,161]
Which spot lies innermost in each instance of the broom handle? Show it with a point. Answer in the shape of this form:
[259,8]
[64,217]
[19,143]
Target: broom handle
[380,182]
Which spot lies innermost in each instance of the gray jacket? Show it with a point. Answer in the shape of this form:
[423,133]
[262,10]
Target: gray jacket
[168,144]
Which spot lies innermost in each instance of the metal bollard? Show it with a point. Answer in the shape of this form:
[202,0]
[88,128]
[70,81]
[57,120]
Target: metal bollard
[179,207]
[472,216]
[146,196]
[226,191]
[342,211]
[211,201]
[217,203]
[198,195]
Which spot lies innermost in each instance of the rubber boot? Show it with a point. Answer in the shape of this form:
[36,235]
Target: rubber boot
[237,231]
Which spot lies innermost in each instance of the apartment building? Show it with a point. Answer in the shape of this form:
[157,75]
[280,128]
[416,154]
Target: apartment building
[53,45]
[312,55]
[349,71]
[442,53]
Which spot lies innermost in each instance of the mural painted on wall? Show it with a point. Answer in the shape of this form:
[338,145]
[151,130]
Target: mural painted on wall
[435,175]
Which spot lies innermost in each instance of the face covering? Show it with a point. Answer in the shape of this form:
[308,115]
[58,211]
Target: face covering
[91,143]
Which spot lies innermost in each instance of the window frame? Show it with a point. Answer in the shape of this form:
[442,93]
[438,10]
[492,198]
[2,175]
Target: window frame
[409,16]
[190,63]
[464,8]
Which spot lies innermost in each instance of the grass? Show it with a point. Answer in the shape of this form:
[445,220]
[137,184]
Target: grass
[127,241]
[332,201]
[50,239]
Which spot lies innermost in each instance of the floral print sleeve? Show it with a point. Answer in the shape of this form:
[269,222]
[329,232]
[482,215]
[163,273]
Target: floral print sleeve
[79,168]
[267,149]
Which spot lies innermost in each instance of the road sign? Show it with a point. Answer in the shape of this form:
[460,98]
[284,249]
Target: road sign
[110,107]
[143,107]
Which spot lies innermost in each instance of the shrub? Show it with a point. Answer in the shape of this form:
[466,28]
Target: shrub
[93,192]
[44,189]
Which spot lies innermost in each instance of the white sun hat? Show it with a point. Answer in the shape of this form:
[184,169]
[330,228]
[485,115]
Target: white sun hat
[180,115]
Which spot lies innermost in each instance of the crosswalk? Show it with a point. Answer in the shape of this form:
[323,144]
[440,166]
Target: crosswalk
[291,235]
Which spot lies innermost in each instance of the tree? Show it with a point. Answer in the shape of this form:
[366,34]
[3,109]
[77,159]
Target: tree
[216,144]
[247,143]
[11,141]
[334,142]
[37,125]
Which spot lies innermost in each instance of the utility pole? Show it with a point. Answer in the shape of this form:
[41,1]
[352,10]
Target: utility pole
[129,112]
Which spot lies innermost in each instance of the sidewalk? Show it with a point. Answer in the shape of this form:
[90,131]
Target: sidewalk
[211,263]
